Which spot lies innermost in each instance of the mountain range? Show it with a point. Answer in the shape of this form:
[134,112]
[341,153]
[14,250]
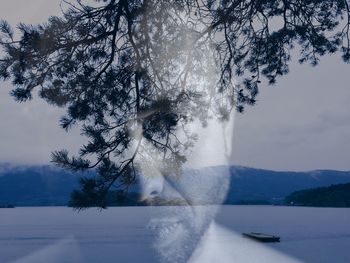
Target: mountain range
[48,185]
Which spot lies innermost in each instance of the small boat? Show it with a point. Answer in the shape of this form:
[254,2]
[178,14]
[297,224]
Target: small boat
[262,237]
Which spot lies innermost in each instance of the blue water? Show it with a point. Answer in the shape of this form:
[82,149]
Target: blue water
[58,234]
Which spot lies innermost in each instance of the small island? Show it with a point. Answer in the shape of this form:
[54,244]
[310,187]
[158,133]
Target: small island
[331,196]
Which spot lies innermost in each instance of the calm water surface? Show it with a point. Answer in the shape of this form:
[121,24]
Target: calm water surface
[59,234]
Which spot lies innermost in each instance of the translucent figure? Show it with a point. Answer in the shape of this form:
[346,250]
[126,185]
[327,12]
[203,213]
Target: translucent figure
[192,196]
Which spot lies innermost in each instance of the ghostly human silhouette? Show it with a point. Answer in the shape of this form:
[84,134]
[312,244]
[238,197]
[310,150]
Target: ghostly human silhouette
[179,228]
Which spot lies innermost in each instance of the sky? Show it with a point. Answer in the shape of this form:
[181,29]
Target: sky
[301,123]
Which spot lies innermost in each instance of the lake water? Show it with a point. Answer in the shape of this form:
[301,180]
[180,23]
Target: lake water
[58,234]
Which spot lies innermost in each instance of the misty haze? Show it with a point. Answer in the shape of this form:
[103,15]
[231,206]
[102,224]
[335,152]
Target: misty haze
[174,131]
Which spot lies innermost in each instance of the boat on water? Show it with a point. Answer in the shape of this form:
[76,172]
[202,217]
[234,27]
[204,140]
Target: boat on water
[262,237]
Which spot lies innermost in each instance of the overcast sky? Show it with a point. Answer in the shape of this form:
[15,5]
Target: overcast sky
[301,123]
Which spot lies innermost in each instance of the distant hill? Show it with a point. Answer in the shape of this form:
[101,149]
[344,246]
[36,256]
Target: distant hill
[331,196]
[273,186]
[35,185]
[48,185]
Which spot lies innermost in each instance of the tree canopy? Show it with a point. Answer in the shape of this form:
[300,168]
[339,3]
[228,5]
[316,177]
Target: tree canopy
[132,73]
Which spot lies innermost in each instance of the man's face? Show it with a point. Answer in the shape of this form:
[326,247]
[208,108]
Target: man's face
[179,227]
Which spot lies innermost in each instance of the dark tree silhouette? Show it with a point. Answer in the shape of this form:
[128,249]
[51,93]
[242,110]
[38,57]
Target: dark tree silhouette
[133,71]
